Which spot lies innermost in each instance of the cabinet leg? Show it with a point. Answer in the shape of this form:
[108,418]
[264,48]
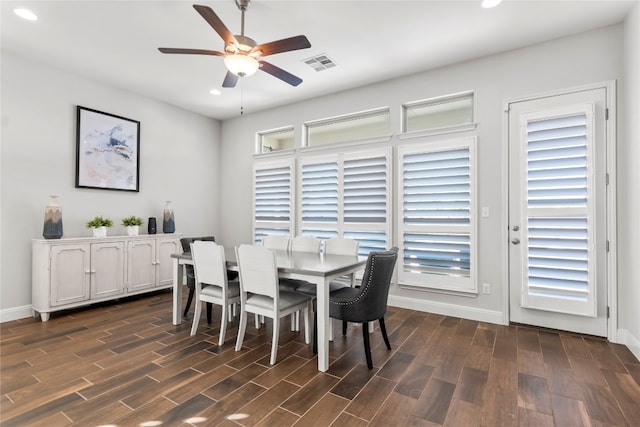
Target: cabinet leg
[34,313]
[44,316]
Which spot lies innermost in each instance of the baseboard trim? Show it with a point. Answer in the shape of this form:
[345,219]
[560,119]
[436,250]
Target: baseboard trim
[632,342]
[15,313]
[471,313]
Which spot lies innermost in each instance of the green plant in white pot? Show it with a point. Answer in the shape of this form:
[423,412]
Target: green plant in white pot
[99,226]
[132,224]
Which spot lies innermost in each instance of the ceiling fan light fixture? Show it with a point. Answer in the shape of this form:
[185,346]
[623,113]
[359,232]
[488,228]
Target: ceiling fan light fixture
[487,4]
[241,65]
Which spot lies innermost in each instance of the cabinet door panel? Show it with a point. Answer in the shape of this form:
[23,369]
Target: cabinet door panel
[107,268]
[141,264]
[70,274]
[164,270]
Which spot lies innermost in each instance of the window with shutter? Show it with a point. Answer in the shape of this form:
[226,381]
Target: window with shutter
[347,195]
[272,198]
[438,226]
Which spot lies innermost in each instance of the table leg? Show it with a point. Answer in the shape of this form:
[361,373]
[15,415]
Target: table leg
[322,313]
[177,292]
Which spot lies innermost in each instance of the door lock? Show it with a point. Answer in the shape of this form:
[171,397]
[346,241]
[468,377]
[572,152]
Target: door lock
[515,241]
[516,228]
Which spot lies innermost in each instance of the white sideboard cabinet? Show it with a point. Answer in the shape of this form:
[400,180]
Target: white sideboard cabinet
[74,272]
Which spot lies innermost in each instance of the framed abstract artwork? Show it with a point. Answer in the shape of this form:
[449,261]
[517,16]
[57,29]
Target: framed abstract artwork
[107,151]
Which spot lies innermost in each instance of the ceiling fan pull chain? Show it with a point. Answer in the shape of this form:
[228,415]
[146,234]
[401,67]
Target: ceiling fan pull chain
[241,97]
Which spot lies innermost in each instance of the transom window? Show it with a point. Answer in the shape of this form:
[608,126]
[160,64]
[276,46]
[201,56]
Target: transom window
[438,112]
[275,140]
[352,127]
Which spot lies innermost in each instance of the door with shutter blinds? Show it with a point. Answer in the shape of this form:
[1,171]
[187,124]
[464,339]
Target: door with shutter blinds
[557,212]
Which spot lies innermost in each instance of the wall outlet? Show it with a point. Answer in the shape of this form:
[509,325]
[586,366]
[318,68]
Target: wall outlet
[486,288]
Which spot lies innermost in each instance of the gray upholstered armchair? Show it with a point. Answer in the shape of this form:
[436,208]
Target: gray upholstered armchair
[369,301]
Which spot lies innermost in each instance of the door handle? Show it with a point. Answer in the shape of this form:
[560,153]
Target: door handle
[516,228]
[515,241]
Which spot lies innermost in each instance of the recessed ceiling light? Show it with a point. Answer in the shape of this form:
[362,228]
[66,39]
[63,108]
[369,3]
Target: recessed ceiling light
[215,92]
[490,3]
[25,14]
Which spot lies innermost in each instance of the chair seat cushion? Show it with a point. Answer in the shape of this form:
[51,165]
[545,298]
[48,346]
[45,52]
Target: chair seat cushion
[287,300]
[310,288]
[216,291]
[290,284]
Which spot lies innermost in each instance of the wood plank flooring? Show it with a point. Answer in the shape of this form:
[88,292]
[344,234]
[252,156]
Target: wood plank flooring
[125,364]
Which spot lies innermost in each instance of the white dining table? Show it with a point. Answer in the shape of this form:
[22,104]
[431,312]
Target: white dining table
[319,269]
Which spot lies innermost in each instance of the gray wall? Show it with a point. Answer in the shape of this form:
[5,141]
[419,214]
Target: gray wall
[587,58]
[629,187]
[179,161]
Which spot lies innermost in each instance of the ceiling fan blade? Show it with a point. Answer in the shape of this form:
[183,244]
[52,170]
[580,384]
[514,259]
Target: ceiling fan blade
[284,45]
[230,80]
[280,73]
[190,51]
[210,16]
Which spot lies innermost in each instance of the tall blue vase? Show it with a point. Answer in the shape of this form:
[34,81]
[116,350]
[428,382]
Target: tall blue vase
[168,222]
[52,220]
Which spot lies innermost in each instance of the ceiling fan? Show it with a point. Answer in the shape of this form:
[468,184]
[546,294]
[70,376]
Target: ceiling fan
[242,55]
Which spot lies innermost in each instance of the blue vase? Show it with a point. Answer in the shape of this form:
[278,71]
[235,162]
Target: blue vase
[168,222]
[52,220]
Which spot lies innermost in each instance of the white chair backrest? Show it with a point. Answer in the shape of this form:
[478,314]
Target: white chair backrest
[277,242]
[258,270]
[305,244]
[341,246]
[209,263]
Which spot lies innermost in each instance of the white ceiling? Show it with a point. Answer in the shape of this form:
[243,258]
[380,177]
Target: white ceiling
[116,42]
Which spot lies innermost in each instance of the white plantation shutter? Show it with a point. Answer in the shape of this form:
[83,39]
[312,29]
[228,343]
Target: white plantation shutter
[437,228]
[347,195]
[272,198]
[559,253]
[366,201]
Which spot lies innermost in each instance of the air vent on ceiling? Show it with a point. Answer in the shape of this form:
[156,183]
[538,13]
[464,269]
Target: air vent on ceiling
[320,62]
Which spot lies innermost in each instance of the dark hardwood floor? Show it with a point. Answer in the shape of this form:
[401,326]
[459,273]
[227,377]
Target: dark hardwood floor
[125,364]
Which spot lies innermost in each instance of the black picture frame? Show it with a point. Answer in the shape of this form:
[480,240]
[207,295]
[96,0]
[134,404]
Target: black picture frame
[107,151]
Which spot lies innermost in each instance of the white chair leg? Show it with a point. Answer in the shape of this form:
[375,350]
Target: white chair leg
[196,317]
[293,321]
[223,324]
[307,335]
[241,329]
[371,326]
[330,329]
[257,321]
[231,311]
[276,334]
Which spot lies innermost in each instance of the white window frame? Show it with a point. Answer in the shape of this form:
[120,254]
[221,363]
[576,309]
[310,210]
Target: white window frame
[441,282]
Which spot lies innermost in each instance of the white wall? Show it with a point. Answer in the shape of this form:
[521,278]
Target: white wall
[179,161]
[629,188]
[587,58]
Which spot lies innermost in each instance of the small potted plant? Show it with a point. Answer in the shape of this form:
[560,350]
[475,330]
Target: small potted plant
[99,226]
[132,224]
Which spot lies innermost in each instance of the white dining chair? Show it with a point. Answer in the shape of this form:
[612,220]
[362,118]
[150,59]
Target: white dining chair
[261,295]
[209,266]
[342,246]
[304,243]
[276,241]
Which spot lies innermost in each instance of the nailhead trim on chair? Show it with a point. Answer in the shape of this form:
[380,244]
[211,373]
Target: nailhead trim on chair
[366,288]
